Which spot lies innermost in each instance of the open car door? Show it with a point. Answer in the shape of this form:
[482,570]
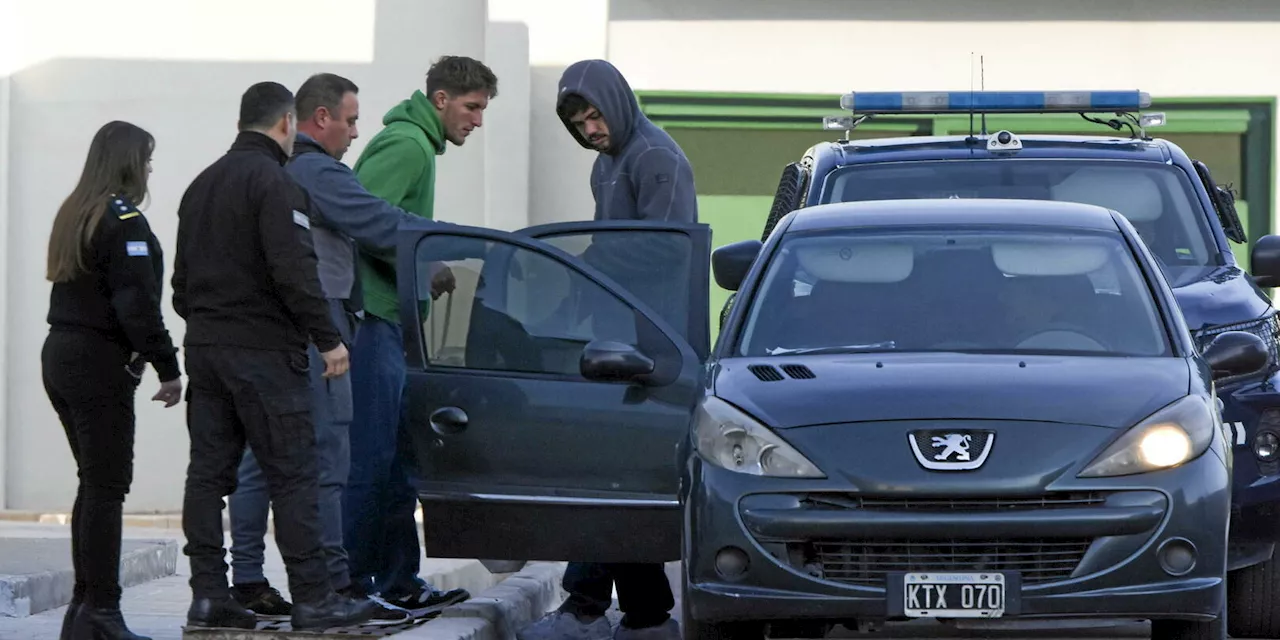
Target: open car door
[545,399]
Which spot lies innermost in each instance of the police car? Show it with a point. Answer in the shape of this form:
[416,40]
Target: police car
[1181,214]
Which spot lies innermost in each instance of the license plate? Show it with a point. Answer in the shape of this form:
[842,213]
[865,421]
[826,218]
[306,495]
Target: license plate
[953,595]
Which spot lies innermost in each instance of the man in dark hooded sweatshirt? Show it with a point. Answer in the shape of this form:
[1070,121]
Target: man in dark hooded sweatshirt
[640,174]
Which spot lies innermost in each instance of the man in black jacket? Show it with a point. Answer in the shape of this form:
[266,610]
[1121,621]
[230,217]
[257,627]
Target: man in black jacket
[245,281]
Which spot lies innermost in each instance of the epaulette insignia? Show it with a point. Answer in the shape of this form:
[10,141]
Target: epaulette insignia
[124,209]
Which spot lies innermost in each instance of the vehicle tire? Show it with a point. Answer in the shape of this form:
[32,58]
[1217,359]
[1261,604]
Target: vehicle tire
[784,199]
[693,630]
[1253,595]
[1188,630]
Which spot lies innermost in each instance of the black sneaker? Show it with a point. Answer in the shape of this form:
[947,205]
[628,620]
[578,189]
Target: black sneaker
[334,611]
[386,614]
[262,599]
[427,600]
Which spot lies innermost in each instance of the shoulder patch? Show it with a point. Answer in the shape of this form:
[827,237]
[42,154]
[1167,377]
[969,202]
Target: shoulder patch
[301,219]
[123,208]
[136,248]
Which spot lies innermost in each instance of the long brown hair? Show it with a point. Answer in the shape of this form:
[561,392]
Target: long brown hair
[116,164]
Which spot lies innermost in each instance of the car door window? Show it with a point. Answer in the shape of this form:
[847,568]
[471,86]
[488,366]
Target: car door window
[652,265]
[518,310]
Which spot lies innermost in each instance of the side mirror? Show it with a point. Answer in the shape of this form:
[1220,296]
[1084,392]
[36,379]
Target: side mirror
[1264,261]
[607,360]
[731,262]
[1234,353]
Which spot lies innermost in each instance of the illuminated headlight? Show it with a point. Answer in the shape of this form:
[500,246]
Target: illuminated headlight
[1174,435]
[730,439]
[1266,446]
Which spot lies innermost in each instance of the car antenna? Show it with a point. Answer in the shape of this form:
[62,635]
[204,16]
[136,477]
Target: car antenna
[982,72]
[970,138]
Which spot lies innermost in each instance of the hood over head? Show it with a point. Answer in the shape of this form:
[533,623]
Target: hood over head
[601,84]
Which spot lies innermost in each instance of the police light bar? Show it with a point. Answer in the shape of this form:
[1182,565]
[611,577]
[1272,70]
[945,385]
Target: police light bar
[883,102]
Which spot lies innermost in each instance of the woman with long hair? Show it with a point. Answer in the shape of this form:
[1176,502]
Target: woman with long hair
[105,325]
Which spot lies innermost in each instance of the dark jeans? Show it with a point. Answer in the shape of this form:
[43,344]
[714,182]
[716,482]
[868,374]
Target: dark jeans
[262,397]
[250,504]
[378,507]
[379,530]
[86,381]
[644,595]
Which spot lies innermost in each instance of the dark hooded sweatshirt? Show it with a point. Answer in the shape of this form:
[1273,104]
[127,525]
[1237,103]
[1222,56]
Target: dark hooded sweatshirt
[644,175]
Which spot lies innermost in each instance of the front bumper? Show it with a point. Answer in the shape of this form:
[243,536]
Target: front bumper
[821,549]
[1249,409]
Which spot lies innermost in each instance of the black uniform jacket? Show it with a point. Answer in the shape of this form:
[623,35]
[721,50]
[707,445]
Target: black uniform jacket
[119,297]
[245,267]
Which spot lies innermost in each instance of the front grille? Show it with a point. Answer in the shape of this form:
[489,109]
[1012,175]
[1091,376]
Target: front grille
[1267,328]
[865,563]
[1049,501]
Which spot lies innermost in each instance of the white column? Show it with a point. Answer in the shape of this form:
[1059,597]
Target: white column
[4,297]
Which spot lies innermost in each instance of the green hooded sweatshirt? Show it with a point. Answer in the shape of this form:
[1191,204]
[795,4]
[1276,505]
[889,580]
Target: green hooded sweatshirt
[399,166]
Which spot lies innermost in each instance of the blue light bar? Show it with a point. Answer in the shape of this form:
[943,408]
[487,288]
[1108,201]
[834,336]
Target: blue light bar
[993,101]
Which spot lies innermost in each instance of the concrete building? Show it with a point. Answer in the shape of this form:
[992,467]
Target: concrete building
[741,84]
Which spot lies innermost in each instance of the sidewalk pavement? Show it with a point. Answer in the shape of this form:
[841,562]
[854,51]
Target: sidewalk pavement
[157,608]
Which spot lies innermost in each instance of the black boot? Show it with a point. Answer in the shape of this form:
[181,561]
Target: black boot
[68,619]
[223,612]
[101,623]
[333,611]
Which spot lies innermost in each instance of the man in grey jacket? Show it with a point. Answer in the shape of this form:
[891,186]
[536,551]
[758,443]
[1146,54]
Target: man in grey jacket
[639,174]
[344,214]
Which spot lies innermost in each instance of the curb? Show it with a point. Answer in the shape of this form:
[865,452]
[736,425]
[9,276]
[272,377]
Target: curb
[26,595]
[497,612]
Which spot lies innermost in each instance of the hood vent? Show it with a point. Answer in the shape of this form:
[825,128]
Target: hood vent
[765,372]
[798,371]
[769,373]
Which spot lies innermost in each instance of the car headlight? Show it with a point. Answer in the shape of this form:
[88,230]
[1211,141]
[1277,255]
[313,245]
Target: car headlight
[730,439]
[1171,436]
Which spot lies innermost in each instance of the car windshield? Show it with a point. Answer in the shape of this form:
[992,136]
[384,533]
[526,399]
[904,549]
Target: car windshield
[1158,200]
[975,290]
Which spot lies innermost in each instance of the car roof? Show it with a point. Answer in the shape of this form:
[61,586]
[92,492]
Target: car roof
[951,212]
[1033,146]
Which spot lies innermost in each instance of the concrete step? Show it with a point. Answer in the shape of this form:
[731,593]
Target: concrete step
[36,574]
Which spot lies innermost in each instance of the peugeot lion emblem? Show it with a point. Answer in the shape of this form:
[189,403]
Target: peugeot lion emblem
[943,450]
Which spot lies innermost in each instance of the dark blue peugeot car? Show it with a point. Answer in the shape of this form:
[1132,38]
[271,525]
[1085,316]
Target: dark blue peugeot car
[1182,215]
[941,409]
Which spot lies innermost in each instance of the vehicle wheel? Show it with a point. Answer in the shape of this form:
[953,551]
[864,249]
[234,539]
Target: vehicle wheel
[1253,594]
[693,630]
[784,199]
[1187,630]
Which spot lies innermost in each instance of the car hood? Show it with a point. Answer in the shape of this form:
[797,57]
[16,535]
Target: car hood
[1114,392]
[1224,295]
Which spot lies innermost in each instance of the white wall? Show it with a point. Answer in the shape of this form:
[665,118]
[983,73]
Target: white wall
[188,98]
[507,127]
[561,32]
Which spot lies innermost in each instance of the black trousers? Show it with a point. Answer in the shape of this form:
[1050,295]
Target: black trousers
[262,398]
[644,595]
[85,378]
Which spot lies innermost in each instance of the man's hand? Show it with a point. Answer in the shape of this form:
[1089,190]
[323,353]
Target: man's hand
[170,392]
[336,361]
[442,282]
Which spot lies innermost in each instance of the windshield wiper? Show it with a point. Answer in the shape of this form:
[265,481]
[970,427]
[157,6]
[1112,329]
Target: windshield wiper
[844,348]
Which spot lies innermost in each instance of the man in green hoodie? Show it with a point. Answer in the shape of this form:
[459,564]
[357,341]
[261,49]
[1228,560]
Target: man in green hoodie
[399,165]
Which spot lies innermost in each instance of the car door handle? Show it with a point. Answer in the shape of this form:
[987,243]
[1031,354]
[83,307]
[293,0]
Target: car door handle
[448,421]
